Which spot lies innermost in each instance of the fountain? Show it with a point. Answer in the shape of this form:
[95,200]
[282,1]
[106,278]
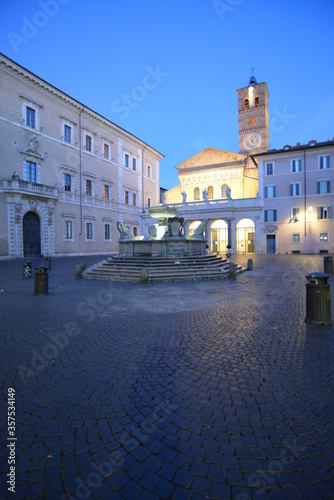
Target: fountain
[166,239]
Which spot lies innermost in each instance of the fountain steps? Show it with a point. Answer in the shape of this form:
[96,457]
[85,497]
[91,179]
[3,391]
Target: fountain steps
[129,269]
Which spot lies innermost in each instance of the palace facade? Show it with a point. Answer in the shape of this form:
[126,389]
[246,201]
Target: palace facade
[67,174]
[259,200]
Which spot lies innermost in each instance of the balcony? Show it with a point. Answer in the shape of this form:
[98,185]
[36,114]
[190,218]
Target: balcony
[17,186]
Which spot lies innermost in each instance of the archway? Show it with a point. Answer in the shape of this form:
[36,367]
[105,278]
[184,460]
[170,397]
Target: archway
[31,235]
[219,236]
[245,236]
[192,226]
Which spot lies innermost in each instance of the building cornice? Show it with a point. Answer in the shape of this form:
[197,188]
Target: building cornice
[287,150]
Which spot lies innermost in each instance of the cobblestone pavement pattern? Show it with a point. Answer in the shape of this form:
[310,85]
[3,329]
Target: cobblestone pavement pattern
[213,389]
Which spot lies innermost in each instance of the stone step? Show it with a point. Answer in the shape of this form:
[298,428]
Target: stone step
[183,269]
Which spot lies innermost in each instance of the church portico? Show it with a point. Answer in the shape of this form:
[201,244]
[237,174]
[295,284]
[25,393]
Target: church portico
[228,222]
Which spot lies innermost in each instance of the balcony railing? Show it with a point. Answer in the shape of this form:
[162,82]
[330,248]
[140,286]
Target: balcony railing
[25,187]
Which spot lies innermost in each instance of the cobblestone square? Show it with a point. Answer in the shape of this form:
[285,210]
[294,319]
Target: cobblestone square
[207,389]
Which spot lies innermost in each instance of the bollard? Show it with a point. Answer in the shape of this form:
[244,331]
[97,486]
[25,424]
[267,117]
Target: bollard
[78,271]
[48,262]
[143,276]
[41,281]
[250,264]
[83,265]
[318,299]
[27,270]
[231,270]
[328,265]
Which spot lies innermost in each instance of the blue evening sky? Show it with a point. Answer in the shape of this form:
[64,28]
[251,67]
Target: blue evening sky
[167,71]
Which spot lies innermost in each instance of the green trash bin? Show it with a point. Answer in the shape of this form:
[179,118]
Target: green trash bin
[328,265]
[318,299]
[27,270]
[41,281]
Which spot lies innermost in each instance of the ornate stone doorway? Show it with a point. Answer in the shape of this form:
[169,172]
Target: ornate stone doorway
[31,235]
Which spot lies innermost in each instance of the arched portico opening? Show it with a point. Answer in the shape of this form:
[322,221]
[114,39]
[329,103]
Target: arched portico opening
[31,235]
[245,236]
[193,225]
[219,236]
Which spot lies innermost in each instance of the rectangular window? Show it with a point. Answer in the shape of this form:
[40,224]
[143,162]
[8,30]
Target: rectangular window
[323,237]
[148,202]
[295,238]
[135,231]
[296,166]
[89,230]
[67,183]
[134,199]
[270,192]
[107,231]
[106,192]
[67,134]
[31,171]
[323,213]
[134,164]
[323,187]
[270,215]
[68,229]
[88,143]
[324,162]
[295,213]
[88,187]
[149,171]
[269,168]
[126,160]
[30,117]
[295,189]
[126,197]
[106,151]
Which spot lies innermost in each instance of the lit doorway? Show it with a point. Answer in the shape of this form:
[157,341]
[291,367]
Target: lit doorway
[245,236]
[31,235]
[219,237]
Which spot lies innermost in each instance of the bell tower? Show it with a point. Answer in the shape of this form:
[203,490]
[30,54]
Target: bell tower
[253,117]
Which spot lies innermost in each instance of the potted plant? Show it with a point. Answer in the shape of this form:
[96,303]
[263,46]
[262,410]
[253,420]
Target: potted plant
[229,251]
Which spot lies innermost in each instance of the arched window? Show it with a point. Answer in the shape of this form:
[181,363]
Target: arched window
[224,187]
[246,103]
[196,194]
[257,103]
[254,121]
[210,193]
[250,122]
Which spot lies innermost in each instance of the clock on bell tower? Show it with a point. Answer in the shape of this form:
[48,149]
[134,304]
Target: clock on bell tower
[253,117]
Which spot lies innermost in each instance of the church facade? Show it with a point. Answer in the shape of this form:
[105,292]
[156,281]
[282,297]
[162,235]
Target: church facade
[67,174]
[259,200]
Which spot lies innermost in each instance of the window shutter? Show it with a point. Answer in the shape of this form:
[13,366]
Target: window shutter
[330,212]
[321,162]
[318,187]
[328,186]
[274,191]
[266,192]
[266,216]
[319,213]
[275,215]
[291,189]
